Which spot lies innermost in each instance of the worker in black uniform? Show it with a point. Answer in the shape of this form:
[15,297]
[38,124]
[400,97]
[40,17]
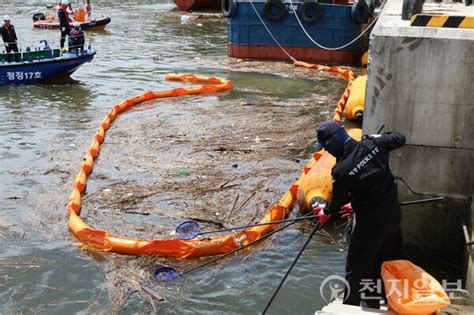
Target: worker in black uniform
[63,22]
[9,35]
[76,38]
[362,176]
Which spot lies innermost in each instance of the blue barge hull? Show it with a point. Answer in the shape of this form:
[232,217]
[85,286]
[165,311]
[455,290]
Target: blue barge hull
[248,37]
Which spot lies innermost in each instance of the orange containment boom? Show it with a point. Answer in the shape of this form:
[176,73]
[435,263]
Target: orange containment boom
[101,240]
[411,290]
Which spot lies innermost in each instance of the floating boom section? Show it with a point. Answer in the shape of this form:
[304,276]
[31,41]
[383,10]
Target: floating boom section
[103,241]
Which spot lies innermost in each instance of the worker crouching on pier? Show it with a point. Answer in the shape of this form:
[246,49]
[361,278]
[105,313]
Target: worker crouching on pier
[362,176]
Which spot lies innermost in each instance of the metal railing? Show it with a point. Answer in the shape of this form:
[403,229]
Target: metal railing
[44,52]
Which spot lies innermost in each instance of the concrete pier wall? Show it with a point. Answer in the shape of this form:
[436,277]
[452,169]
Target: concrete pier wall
[421,83]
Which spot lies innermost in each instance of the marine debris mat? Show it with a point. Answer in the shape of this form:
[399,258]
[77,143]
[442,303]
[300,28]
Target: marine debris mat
[211,159]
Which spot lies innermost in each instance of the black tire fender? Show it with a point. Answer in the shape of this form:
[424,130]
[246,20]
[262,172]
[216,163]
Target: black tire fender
[39,16]
[360,12]
[372,4]
[267,10]
[229,8]
[307,7]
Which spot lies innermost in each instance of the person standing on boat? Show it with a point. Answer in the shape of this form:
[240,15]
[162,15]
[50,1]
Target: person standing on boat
[88,9]
[63,21]
[9,35]
[69,6]
[362,176]
[76,38]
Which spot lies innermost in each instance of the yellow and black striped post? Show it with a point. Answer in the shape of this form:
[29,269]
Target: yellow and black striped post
[452,21]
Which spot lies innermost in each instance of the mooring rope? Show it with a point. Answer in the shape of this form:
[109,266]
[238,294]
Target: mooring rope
[270,33]
[328,48]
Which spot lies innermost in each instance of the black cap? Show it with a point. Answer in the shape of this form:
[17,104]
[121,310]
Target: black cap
[325,131]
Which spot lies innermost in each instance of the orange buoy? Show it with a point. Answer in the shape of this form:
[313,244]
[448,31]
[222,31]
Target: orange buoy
[364,61]
[355,103]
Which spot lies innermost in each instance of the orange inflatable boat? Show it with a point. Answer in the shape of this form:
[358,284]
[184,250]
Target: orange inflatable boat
[50,21]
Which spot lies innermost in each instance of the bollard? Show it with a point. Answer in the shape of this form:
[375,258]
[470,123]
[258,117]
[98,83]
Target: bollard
[411,7]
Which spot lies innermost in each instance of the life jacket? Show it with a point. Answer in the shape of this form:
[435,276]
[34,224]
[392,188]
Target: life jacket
[10,29]
[76,38]
[9,33]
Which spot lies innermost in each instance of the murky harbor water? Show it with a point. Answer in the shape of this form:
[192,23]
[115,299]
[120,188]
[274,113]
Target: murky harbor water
[45,131]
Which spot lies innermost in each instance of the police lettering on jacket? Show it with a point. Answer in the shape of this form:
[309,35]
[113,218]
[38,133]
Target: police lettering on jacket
[362,176]
[364,161]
